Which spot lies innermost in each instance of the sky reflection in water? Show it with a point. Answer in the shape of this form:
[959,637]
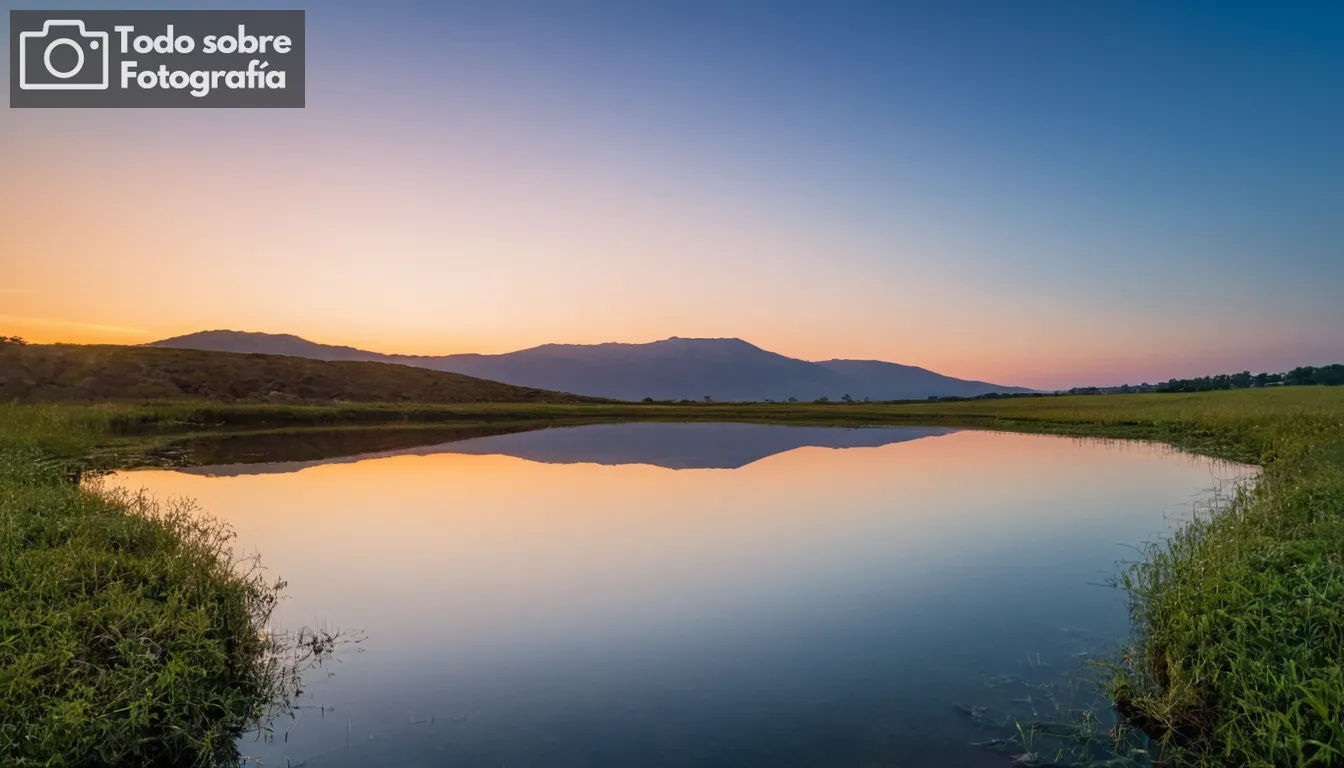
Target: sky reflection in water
[814,604]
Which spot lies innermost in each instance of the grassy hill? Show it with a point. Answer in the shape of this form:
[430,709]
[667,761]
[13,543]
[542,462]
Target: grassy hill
[65,373]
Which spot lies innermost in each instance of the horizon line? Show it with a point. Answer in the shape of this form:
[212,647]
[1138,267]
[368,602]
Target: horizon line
[645,343]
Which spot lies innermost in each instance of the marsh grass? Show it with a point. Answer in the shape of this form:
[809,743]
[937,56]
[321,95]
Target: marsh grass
[1241,624]
[129,633]
[1053,710]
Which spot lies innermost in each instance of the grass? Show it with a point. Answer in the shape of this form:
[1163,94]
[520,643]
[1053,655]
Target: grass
[1238,653]
[1241,619]
[128,634]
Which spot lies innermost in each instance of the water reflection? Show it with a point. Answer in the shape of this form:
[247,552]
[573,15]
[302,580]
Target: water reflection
[814,606]
[672,446]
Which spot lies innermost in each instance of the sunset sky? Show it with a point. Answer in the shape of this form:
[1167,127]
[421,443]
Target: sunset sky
[1045,194]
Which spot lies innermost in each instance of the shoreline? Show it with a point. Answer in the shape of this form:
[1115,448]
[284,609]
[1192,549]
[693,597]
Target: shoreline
[1218,608]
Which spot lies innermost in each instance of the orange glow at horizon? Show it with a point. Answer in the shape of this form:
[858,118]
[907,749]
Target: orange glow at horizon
[1013,366]
[488,254]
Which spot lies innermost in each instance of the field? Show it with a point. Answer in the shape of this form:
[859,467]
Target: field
[1239,618]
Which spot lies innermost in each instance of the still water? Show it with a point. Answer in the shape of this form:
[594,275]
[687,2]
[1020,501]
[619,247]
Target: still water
[696,594]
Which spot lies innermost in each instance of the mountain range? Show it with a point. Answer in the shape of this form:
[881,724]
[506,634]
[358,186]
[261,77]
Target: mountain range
[671,369]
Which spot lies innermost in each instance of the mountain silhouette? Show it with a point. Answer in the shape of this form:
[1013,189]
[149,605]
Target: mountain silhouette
[671,369]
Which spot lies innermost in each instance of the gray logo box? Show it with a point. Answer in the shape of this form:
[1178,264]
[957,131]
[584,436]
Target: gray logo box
[119,59]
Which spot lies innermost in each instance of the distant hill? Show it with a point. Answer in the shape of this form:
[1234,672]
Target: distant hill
[274,344]
[671,369]
[34,373]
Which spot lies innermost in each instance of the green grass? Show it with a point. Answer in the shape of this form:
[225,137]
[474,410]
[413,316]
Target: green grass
[1238,617]
[127,634]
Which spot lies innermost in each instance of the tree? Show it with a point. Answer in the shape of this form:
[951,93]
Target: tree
[708,399]
[647,401]
[823,399]
[1331,375]
[15,340]
[793,399]
[847,398]
[1300,376]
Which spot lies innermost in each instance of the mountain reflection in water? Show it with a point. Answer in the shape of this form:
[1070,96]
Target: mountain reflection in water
[554,598]
[672,446]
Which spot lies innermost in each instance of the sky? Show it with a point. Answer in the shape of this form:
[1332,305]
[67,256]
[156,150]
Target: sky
[1045,194]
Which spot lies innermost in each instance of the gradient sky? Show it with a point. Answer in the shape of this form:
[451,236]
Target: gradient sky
[1037,193]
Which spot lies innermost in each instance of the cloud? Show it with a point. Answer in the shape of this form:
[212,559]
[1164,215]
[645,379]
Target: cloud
[47,323]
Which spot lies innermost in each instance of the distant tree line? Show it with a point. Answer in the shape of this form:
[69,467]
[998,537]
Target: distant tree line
[1327,375]
[15,340]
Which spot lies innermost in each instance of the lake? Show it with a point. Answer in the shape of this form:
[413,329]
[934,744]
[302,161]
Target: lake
[697,594]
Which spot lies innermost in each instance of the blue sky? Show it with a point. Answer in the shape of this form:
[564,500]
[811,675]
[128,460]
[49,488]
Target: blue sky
[1052,193]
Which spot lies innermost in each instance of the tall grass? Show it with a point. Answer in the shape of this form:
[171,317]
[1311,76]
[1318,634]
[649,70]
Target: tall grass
[1240,653]
[128,633]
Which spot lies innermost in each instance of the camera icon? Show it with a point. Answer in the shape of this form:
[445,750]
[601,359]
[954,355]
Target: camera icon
[64,56]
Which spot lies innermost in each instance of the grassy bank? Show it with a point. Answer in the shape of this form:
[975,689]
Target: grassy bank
[1239,619]
[127,634]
